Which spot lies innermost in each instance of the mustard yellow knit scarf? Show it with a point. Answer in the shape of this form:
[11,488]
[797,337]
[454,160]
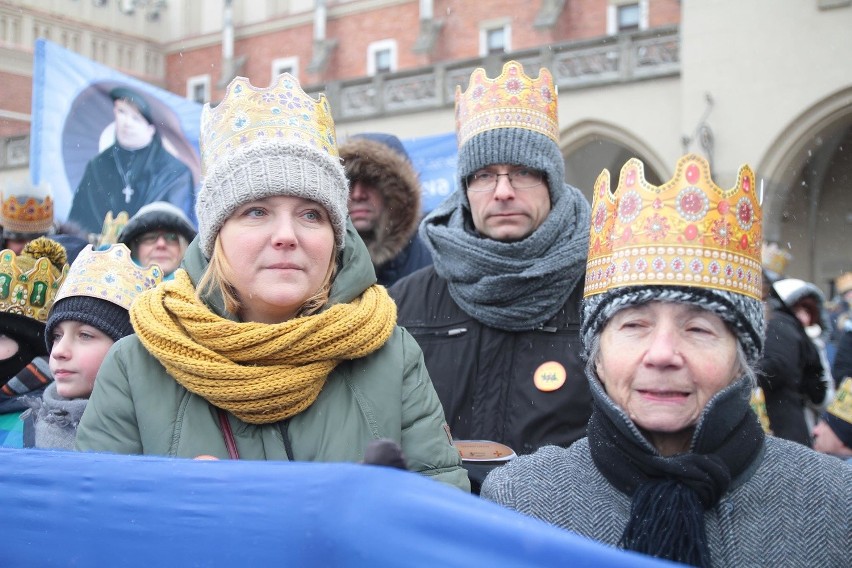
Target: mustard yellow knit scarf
[261,373]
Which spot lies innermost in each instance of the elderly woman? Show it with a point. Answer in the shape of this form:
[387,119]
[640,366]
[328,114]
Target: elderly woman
[274,343]
[675,464]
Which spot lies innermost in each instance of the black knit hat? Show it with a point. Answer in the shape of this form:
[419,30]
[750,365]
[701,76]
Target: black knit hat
[110,318]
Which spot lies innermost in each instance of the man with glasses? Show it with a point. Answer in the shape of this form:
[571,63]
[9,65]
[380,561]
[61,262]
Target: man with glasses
[158,234]
[497,315]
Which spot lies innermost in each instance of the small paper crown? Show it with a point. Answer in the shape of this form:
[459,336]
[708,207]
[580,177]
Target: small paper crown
[843,283]
[27,209]
[512,100]
[110,275]
[112,228]
[248,114]
[774,258]
[841,406]
[686,232]
[29,282]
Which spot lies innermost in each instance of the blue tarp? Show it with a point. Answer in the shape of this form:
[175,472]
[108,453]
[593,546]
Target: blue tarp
[75,509]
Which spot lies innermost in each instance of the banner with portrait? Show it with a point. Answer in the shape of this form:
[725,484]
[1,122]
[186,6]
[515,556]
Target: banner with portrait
[73,121]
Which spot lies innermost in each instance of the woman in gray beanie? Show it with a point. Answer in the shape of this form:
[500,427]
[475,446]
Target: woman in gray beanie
[273,341]
[675,463]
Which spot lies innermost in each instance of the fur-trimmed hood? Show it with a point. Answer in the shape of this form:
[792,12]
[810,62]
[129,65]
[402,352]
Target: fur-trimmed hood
[381,160]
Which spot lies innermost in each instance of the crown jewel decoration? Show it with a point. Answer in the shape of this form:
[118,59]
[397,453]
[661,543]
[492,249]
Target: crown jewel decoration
[25,214]
[841,406]
[843,283]
[110,275]
[686,232]
[775,258]
[512,100]
[112,227]
[250,114]
[26,291]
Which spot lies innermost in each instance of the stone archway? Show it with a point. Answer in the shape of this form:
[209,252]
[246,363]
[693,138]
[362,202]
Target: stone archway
[591,146]
[807,176]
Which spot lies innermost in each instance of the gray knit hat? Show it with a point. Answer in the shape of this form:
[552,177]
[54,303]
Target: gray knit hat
[514,146]
[265,169]
[519,125]
[744,315]
[260,143]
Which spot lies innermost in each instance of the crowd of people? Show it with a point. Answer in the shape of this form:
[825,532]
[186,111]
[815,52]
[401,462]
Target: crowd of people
[615,355]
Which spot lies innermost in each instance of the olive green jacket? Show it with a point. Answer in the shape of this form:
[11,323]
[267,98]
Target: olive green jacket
[138,408]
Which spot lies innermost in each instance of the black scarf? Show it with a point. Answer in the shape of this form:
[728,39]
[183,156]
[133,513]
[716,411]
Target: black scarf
[670,494]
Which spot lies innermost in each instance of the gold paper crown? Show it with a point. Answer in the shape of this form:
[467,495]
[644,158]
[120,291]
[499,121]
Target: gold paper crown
[112,228]
[110,275]
[512,100]
[27,214]
[841,406]
[686,232]
[29,282]
[248,114]
[775,258]
[843,283]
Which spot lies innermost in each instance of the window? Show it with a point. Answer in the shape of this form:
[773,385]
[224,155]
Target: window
[198,88]
[285,65]
[381,57]
[494,38]
[626,16]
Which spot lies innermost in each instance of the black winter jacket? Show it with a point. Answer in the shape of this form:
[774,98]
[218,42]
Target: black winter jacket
[789,372]
[485,376]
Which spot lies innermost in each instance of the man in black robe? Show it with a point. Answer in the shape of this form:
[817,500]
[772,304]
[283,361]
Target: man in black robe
[134,171]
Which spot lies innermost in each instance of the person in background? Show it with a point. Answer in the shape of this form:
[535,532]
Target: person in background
[89,314]
[497,315]
[790,372]
[675,464]
[28,285]
[806,301]
[27,213]
[273,342]
[384,204]
[136,170]
[833,433]
[158,234]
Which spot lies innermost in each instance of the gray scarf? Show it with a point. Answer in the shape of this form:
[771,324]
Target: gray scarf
[513,286]
[56,419]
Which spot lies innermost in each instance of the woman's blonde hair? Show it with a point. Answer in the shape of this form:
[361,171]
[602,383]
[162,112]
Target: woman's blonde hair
[219,275]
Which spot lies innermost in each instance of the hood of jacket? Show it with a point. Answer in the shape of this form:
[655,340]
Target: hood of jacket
[391,172]
[355,273]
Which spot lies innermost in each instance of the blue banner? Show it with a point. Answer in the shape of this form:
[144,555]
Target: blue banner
[435,159]
[75,509]
[73,120]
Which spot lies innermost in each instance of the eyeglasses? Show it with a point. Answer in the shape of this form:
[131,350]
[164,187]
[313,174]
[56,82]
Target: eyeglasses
[523,178]
[153,237]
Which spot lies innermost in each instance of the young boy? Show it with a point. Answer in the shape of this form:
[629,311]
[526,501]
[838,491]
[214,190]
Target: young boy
[28,284]
[89,315]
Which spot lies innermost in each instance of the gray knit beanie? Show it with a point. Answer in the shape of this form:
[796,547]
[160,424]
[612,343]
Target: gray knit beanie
[514,146]
[270,168]
[110,318]
[744,314]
